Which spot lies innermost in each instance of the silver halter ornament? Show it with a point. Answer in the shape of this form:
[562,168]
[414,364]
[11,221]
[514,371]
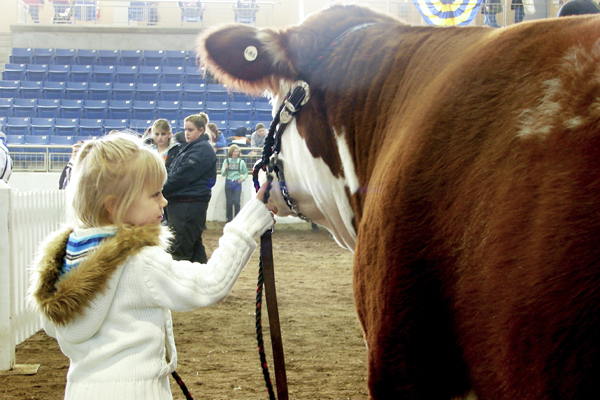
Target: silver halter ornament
[296,98]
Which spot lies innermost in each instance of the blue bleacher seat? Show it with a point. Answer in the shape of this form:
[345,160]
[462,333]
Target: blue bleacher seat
[63,141]
[192,59]
[115,124]
[222,125]
[42,126]
[241,111]
[262,111]
[194,92]
[191,107]
[6,107]
[41,140]
[43,56]
[216,92]
[169,110]
[15,139]
[58,73]
[172,75]
[36,72]
[30,89]
[76,90]
[80,73]
[119,109]
[66,126]
[175,125]
[64,56]
[91,127]
[217,110]
[149,74]
[140,126]
[24,107]
[70,109]
[108,57]
[47,108]
[21,55]
[194,75]
[147,92]
[170,91]
[103,73]
[241,97]
[87,57]
[123,91]
[126,73]
[143,109]
[99,91]
[131,57]
[17,126]
[234,125]
[153,57]
[14,72]
[9,89]
[175,58]
[95,109]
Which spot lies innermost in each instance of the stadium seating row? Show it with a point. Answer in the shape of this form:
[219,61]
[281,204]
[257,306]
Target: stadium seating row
[132,109]
[176,58]
[102,73]
[121,91]
[27,127]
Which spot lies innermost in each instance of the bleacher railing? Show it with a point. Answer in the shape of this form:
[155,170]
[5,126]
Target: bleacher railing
[29,217]
[47,160]
[165,13]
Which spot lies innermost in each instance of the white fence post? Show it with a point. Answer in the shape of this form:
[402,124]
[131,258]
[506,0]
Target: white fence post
[7,338]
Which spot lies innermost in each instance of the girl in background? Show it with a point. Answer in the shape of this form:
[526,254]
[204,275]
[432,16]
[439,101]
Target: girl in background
[164,143]
[235,172]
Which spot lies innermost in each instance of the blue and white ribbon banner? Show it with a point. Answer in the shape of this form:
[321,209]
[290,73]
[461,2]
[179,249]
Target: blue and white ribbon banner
[448,12]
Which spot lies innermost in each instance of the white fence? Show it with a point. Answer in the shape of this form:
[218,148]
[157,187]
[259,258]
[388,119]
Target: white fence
[25,220]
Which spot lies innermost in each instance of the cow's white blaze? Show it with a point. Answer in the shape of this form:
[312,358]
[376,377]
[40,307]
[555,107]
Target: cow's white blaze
[317,193]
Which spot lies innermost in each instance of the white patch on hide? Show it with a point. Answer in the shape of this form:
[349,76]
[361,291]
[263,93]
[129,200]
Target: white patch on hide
[347,161]
[317,193]
[564,104]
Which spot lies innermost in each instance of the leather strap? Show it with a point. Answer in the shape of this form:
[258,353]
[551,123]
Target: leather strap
[266,253]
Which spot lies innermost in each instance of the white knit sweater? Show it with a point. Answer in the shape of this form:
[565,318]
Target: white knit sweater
[121,342]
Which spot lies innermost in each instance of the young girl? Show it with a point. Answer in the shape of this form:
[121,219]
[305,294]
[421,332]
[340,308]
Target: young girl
[105,285]
[235,172]
[163,141]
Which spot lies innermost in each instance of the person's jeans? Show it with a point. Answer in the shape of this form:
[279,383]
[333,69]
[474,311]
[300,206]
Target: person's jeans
[490,20]
[187,220]
[233,192]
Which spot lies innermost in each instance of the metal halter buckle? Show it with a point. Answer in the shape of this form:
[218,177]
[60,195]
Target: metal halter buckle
[299,96]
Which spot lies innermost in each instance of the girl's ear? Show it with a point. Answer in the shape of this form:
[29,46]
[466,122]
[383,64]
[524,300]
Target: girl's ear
[110,203]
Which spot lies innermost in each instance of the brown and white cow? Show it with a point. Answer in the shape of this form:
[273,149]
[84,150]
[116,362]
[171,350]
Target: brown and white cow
[463,167]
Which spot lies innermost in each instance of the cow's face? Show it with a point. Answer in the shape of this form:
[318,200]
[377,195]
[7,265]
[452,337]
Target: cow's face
[318,147]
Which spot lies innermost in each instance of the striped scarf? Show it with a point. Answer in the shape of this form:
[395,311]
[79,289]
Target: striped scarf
[81,243]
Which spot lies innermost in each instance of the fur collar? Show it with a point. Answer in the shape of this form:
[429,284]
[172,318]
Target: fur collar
[61,301]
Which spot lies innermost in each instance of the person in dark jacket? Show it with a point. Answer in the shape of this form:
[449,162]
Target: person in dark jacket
[188,190]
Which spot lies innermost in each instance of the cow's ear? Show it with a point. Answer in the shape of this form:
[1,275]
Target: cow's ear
[246,58]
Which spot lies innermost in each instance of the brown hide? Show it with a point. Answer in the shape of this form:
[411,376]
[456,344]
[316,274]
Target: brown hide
[478,216]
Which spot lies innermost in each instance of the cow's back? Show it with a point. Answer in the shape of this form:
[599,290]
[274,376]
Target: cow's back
[490,179]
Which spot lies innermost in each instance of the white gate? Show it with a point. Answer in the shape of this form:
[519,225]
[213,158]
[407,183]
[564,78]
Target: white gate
[25,220]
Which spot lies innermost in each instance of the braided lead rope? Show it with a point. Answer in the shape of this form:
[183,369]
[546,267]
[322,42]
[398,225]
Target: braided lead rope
[184,389]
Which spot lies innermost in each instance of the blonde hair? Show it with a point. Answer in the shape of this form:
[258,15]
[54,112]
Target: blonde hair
[231,149]
[116,167]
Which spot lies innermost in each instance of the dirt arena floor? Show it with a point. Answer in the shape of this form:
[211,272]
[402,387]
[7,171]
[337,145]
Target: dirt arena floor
[217,351]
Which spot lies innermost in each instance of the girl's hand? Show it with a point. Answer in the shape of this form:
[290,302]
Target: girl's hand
[240,180]
[261,196]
